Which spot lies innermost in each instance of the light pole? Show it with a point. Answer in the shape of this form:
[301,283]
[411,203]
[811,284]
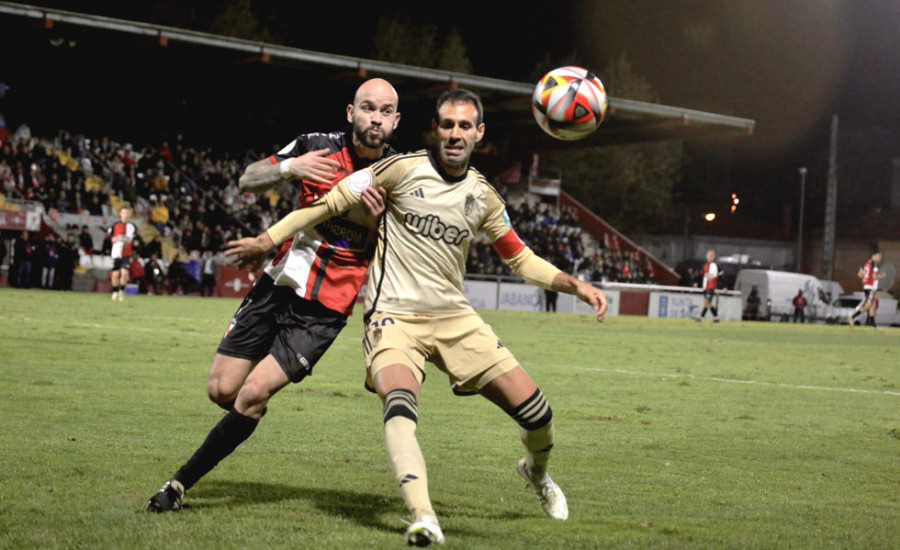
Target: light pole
[800,233]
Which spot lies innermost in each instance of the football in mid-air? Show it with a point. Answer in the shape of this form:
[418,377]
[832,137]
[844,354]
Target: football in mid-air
[569,103]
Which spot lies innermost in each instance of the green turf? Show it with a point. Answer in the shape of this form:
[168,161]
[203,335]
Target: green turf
[670,434]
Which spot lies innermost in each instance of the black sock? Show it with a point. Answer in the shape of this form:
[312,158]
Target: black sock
[227,405]
[703,313]
[715,311]
[231,431]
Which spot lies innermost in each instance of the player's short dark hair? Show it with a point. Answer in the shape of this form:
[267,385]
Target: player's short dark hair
[459,95]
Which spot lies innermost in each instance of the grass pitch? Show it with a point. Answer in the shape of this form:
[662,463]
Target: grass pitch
[670,434]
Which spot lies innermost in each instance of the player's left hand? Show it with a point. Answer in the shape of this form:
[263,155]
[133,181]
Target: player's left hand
[250,252]
[373,205]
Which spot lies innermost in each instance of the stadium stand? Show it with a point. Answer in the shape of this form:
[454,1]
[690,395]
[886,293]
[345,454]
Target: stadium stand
[187,202]
[554,232]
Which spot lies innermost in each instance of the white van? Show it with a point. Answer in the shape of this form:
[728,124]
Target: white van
[776,291]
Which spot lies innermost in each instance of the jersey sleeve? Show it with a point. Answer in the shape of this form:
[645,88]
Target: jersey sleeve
[520,259]
[299,146]
[498,228]
[345,195]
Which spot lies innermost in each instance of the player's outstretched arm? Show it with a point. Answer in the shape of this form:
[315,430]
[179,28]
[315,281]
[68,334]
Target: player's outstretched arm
[536,270]
[262,175]
[251,252]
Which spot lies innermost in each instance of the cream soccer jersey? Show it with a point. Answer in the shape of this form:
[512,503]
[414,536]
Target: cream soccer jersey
[429,221]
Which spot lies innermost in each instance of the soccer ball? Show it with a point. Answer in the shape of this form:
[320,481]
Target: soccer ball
[569,103]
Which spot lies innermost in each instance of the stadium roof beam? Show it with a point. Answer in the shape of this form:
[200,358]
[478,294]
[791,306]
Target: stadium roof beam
[627,120]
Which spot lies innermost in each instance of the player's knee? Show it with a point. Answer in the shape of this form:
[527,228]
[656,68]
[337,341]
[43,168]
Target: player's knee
[252,397]
[401,403]
[534,413]
[220,393]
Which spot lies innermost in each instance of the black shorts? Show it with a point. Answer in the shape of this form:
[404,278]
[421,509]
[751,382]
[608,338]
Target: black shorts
[709,293]
[274,320]
[870,295]
[121,263]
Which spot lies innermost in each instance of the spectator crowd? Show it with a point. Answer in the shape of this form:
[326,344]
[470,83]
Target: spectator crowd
[554,234]
[190,196]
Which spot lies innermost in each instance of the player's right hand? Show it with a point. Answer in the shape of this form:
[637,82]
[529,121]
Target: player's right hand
[250,252]
[315,166]
[373,205]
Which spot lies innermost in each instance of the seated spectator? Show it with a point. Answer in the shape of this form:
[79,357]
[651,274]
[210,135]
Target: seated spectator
[159,214]
[154,275]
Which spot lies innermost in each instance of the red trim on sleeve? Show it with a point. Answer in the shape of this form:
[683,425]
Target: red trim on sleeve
[509,245]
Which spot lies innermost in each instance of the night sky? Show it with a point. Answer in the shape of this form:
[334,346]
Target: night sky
[788,64]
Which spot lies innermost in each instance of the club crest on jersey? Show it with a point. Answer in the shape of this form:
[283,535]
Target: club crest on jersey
[470,203]
[360,181]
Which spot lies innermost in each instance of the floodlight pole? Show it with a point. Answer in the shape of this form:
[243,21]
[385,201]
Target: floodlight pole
[800,232]
[830,206]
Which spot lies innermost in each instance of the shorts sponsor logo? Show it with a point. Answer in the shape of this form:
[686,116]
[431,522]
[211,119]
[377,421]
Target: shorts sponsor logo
[432,227]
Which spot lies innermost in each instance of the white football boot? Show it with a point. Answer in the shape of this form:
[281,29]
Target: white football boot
[424,531]
[553,501]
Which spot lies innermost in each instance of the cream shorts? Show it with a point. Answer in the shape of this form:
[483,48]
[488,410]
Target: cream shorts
[461,345]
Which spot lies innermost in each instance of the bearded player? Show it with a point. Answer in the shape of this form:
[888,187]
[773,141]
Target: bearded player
[297,308]
[416,306]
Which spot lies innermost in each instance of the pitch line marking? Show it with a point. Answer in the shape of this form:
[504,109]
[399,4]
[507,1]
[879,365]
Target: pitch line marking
[732,381]
[132,328]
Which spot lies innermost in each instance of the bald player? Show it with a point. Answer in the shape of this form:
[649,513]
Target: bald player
[416,307]
[297,308]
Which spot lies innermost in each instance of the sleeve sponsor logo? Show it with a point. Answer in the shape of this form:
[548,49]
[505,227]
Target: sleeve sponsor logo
[360,181]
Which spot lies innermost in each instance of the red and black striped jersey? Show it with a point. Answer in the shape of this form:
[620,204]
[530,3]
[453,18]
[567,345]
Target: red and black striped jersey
[123,234]
[870,275]
[327,263]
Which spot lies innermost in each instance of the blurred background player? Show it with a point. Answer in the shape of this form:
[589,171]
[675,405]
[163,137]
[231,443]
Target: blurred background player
[710,280]
[869,273]
[416,307]
[296,309]
[122,234]
[799,303]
